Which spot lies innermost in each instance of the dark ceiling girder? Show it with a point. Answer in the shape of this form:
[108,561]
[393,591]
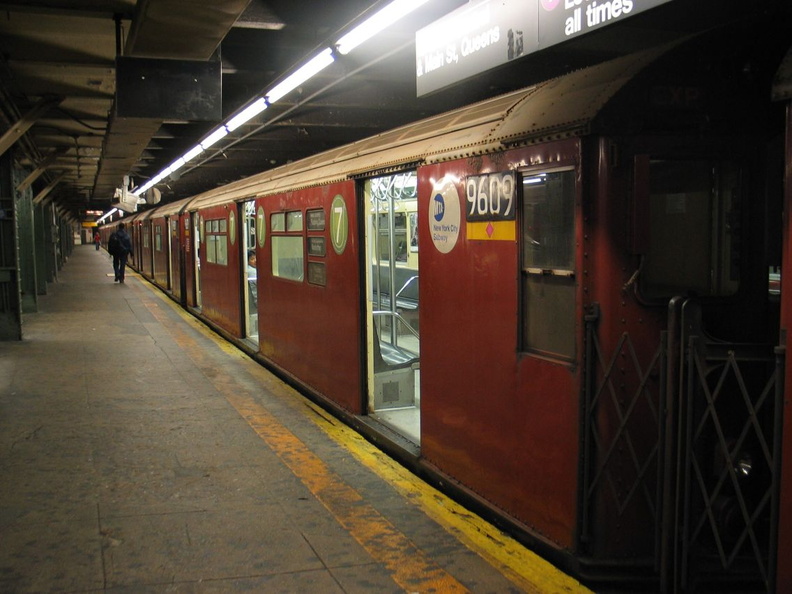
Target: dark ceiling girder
[46,191]
[22,125]
[42,167]
[182,29]
[175,29]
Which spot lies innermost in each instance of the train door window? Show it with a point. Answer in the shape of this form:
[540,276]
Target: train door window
[548,263]
[693,225]
[288,251]
[158,238]
[391,271]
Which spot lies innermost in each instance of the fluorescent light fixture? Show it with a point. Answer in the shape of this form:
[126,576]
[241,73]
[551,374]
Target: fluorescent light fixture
[193,152]
[214,137]
[311,68]
[250,112]
[149,184]
[364,31]
[109,213]
[177,164]
[376,23]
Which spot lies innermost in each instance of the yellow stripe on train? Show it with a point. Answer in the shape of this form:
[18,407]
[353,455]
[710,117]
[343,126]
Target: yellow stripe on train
[492,230]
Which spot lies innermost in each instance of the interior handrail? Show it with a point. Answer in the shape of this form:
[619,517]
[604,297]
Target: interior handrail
[399,317]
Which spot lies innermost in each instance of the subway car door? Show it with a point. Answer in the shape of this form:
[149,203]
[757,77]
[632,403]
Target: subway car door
[198,234]
[250,271]
[392,330]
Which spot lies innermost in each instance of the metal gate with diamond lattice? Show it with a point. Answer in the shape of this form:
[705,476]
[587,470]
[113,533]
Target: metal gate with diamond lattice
[681,459]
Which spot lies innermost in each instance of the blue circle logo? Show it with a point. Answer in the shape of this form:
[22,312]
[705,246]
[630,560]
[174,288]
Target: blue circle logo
[439,207]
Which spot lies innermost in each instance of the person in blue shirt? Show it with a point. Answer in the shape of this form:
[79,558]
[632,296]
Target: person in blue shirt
[120,246]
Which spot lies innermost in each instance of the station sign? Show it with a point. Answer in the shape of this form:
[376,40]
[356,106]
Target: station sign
[485,34]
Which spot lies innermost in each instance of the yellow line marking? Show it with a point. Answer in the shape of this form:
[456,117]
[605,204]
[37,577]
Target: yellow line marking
[521,566]
[409,566]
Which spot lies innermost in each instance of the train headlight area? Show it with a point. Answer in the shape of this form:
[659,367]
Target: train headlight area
[142,451]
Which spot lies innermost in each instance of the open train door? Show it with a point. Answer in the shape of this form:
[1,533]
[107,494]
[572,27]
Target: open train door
[391,272]
[250,271]
[198,231]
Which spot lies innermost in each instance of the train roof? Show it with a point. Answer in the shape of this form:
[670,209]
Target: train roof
[172,208]
[559,108]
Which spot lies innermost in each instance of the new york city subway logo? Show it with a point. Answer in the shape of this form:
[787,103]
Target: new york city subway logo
[444,215]
[439,207]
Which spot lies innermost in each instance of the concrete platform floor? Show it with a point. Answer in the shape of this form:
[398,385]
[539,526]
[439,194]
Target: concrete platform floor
[139,453]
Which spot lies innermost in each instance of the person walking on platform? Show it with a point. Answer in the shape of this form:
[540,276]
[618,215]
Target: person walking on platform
[120,246]
[97,240]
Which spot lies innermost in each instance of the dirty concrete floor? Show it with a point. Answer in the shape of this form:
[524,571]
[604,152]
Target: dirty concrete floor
[126,466]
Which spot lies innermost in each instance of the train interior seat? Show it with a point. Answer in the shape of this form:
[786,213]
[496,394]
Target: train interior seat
[394,375]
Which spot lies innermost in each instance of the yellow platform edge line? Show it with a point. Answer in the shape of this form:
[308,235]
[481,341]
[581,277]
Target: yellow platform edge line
[521,566]
[408,566]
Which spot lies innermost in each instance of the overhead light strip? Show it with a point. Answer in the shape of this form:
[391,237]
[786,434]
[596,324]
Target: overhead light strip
[377,23]
[107,214]
[348,42]
[311,68]
[247,114]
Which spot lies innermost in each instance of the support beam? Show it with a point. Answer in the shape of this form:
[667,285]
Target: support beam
[26,121]
[43,194]
[42,167]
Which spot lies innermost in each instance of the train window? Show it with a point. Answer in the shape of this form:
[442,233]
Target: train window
[693,246]
[548,263]
[278,222]
[400,234]
[774,282]
[294,221]
[288,250]
[548,221]
[158,238]
[216,242]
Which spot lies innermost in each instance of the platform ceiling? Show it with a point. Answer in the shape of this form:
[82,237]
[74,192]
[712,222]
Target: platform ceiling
[58,83]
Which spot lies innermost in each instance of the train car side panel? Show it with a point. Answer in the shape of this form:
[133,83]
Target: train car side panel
[623,370]
[309,310]
[220,267]
[188,276]
[176,256]
[503,422]
[146,261]
[137,242]
[159,228]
